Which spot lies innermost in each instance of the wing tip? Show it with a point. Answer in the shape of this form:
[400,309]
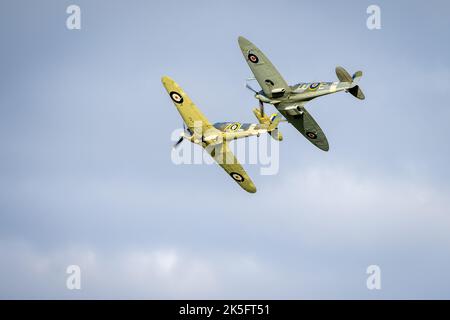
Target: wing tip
[251,189]
[243,41]
[165,79]
[170,84]
[325,147]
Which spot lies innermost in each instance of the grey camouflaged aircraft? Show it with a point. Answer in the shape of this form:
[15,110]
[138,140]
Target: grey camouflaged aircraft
[214,138]
[290,100]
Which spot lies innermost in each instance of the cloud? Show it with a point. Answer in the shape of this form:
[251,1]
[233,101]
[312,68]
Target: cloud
[87,177]
[343,198]
[318,244]
[157,273]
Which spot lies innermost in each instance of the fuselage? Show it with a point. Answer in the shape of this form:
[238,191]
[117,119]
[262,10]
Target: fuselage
[309,91]
[226,131]
[305,91]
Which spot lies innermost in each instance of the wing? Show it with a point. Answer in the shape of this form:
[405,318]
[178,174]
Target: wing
[226,159]
[308,127]
[264,71]
[192,116]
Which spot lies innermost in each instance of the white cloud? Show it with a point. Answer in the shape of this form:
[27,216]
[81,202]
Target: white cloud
[330,229]
[344,202]
[27,272]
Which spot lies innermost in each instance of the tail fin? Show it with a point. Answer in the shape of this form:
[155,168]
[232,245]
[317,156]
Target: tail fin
[356,76]
[272,123]
[344,76]
[273,127]
[356,90]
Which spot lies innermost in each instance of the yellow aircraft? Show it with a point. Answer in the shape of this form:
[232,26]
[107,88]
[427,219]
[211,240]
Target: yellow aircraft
[214,138]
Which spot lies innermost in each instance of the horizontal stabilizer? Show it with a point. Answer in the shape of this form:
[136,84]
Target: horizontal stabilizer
[343,75]
[357,92]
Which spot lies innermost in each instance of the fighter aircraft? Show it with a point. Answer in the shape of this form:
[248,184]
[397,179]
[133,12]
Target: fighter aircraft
[214,138]
[290,100]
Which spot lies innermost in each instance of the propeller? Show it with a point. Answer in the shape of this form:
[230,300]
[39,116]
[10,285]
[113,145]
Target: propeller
[178,142]
[182,137]
[261,104]
[261,108]
[250,88]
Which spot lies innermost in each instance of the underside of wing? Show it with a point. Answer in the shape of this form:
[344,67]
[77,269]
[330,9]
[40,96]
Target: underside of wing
[308,127]
[192,116]
[226,159]
[264,71]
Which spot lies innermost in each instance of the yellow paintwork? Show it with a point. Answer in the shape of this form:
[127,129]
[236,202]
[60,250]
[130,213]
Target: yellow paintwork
[226,159]
[264,119]
[233,126]
[187,109]
[213,140]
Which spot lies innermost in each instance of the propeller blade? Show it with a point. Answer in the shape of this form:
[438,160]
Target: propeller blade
[250,88]
[261,108]
[178,142]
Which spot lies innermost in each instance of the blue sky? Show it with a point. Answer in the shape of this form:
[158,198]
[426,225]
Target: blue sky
[87,178]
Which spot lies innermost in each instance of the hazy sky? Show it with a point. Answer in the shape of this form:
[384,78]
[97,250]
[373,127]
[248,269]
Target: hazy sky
[86,176]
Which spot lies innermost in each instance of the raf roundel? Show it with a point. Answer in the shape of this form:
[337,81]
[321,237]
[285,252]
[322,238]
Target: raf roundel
[314,86]
[176,97]
[253,58]
[234,126]
[237,177]
[311,135]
